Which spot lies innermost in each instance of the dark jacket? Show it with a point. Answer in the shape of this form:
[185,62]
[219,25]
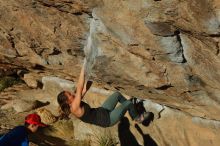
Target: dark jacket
[16,137]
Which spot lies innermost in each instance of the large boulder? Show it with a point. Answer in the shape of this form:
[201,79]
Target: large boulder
[163,51]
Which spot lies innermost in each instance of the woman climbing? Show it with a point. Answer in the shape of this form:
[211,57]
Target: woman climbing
[105,116]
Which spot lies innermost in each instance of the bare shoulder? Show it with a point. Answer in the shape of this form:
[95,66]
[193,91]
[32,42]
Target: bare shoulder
[76,110]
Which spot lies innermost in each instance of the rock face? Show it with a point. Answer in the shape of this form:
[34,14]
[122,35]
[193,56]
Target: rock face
[46,116]
[165,51]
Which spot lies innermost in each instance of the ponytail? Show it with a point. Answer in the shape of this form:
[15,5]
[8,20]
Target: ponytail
[62,101]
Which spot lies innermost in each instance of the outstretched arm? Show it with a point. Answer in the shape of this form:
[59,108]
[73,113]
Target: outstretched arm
[79,89]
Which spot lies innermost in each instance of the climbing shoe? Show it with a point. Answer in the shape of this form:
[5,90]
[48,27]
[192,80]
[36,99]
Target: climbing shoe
[135,100]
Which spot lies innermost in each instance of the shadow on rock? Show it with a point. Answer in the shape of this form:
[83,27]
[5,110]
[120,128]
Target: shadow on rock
[125,136]
[41,139]
[38,104]
[147,121]
[148,140]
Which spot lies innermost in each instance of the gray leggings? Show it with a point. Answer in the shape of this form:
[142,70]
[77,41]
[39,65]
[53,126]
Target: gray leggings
[117,113]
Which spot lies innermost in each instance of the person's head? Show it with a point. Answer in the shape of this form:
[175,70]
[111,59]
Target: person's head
[64,100]
[32,122]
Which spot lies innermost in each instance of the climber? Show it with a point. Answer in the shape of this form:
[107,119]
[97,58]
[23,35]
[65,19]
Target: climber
[105,116]
[18,136]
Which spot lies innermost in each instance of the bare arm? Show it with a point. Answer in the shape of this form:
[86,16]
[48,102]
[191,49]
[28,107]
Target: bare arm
[79,90]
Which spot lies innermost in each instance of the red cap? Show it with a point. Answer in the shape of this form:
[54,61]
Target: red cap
[34,119]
